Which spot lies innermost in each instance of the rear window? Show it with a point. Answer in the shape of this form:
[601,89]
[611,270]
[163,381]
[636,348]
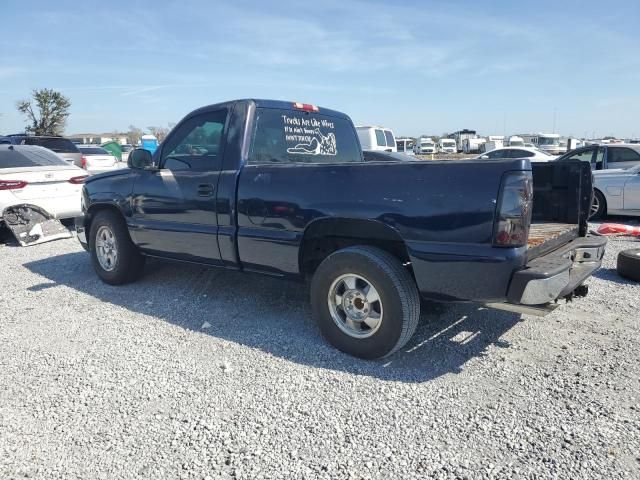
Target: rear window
[391,142]
[288,136]
[17,157]
[58,145]
[94,151]
[380,140]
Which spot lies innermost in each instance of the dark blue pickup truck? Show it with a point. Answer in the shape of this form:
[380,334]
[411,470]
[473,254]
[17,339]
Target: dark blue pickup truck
[284,189]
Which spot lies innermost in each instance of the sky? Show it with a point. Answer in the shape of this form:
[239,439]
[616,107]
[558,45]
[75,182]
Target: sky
[418,67]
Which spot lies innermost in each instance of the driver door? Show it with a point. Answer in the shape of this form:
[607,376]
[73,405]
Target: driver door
[174,206]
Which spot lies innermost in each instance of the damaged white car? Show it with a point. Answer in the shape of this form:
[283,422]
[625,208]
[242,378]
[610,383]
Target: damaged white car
[37,189]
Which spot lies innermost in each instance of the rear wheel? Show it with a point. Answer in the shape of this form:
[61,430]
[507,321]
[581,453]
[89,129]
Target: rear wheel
[365,302]
[599,206]
[114,256]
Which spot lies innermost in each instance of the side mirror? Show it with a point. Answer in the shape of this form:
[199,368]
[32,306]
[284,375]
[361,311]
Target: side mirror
[140,159]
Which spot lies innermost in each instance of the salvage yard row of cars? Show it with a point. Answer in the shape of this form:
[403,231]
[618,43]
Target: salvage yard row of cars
[243,185]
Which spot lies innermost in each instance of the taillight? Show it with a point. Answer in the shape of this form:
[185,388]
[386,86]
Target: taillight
[12,184]
[84,162]
[306,107]
[78,180]
[513,214]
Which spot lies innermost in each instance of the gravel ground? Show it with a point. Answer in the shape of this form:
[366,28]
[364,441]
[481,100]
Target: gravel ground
[196,373]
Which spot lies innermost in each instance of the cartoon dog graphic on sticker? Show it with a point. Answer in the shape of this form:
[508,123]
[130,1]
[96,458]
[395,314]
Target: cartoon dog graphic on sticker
[319,145]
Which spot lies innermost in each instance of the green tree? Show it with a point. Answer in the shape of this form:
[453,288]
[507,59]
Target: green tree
[46,113]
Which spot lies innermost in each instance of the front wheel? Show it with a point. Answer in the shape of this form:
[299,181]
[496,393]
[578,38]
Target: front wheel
[365,302]
[114,256]
[598,207]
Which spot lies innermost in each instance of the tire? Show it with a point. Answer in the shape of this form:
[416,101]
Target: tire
[127,264]
[388,323]
[628,265]
[599,206]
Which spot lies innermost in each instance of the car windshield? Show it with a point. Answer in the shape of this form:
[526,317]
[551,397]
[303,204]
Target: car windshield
[58,145]
[516,143]
[94,151]
[548,141]
[449,144]
[427,144]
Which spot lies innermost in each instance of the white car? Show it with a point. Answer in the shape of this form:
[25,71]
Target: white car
[36,176]
[96,159]
[533,154]
[616,192]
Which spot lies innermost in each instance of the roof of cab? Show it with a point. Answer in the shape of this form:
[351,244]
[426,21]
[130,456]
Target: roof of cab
[279,104]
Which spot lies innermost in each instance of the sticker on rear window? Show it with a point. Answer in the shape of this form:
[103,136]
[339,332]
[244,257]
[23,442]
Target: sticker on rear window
[309,136]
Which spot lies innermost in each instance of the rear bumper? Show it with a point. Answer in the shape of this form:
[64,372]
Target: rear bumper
[557,274]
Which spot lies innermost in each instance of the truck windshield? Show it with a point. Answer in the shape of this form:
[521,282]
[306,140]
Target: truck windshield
[548,141]
[289,136]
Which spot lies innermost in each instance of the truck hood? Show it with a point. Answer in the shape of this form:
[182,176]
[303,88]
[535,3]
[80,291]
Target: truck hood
[110,173]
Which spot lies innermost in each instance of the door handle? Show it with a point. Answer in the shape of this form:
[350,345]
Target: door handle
[205,190]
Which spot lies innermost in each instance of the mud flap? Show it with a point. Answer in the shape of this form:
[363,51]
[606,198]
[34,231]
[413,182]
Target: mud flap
[32,225]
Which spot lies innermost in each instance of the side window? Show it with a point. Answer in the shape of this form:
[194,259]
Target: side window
[380,140]
[291,136]
[599,159]
[517,153]
[618,154]
[391,142]
[584,155]
[196,145]
[498,154]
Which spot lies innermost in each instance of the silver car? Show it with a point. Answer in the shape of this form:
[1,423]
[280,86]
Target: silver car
[616,192]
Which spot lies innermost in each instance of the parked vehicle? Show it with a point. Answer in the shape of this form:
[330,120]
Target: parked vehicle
[283,189]
[34,175]
[533,154]
[96,159]
[405,145]
[549,142]
[473,145]
[126,148]
[63,147]
[376,138]
[425,146]
[493,142]
[460,136]
[447,145]
[616,192]
[515,141]
[609,156]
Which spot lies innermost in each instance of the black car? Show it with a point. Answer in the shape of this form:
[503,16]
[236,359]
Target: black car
[61,146]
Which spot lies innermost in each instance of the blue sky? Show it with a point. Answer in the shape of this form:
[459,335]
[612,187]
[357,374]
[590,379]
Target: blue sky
[417,67]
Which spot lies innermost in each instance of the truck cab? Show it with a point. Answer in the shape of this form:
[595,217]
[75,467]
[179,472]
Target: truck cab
[283,189]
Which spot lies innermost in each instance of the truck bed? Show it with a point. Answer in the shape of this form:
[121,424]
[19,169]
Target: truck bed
[544,237]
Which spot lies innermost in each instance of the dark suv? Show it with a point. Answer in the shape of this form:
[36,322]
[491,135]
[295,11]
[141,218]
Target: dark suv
[63,147]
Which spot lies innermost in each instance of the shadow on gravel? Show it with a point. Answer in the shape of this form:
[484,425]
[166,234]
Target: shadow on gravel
[611,275]
[273,316]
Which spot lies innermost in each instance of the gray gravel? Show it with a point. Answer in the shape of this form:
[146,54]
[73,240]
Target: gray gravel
[196,373]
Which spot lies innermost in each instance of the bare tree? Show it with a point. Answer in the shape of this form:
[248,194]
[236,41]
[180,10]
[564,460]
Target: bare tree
[46,112]
[159,132]
[134,134]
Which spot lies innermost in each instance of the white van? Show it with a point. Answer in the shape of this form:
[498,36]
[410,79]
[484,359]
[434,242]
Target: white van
[447,145]
[515,141]
[425,146]
[376,139]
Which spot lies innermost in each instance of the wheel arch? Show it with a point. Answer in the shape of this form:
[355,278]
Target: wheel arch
[97,207]
[327,235]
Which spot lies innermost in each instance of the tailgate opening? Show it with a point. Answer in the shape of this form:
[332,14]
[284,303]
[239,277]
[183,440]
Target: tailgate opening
[561,202]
